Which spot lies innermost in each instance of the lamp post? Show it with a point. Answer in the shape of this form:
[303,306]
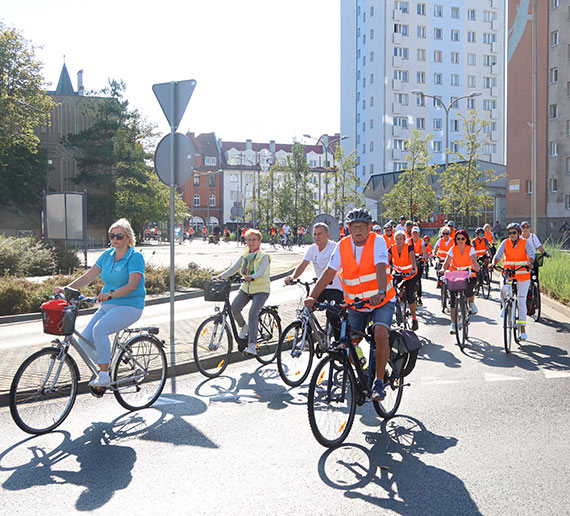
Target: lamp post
[324,140]
[446,109]
[46,113]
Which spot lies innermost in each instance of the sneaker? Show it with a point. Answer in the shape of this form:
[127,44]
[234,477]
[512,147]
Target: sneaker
[419,301]
[524,336]
[378,392]
[502,313]
[102,381]
[452,329]
[414,324]
[243,331]
[474,309]
[250,350]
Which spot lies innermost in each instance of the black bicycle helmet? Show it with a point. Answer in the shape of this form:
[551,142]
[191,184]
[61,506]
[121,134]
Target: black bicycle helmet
[358,215]
[479,231]
[451,223]
[515,225]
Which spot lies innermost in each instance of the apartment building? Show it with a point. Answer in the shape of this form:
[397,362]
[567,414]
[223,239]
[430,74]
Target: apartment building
[444,48]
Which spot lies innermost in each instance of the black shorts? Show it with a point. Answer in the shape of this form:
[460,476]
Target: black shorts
[411,288]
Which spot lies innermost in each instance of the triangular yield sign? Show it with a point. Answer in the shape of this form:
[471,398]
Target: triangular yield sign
[180,92]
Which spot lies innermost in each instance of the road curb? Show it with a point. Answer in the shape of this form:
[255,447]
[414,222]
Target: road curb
[555,305]
[13,319]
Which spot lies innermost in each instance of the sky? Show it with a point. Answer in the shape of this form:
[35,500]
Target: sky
[265,69]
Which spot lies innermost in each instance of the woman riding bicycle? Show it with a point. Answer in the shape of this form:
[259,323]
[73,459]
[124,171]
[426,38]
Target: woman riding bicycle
[122,296]
[462,257]
[254,266]
[402,259]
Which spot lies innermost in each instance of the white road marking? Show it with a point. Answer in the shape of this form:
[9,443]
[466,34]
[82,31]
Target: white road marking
[492,377]
[556,374]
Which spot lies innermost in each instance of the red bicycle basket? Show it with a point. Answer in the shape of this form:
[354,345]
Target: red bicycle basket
[58,317]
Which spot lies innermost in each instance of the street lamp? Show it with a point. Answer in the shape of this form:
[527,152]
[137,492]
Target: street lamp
[46,113]
[324,140]
[447,108]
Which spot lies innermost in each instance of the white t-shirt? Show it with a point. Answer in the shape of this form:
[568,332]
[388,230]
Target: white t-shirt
[471,252]
[286,229]
[321,260]
[534,242]
[400,227]
[380,253]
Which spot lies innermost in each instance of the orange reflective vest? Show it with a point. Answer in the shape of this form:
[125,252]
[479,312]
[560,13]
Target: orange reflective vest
[515,257]
[389,241]
[461,261]
[417,245]
[402,263]
[359,280]
[480,246]
[444,248]
[489,237]
[429,248]
[452,234]
[342,232]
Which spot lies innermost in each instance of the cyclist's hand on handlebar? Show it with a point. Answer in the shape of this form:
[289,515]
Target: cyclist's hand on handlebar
[288,280]
[104,296]
[310,302]
[377,299]
[248,278]
[58,290]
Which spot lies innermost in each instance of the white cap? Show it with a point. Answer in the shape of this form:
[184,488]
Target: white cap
[416,229]
[376,227]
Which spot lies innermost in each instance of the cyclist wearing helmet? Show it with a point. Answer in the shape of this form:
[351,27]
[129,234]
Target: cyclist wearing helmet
[361,260]
[429,248]
[534,241]
[451,224]
[388,235]
[517,251]
[377,229]
[420,251]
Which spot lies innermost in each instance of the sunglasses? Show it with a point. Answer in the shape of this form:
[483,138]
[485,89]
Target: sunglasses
[459,239]
[118,236]
[446,233]
[513,232]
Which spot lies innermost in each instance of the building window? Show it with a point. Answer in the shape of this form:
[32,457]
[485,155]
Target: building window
[471,81]
[489,16]
[371,167]
[455,57]
[364,82]
[455,146]
[471,59]
[211,161]
[363,60]
[196,180]
[371,33]
[212,200]
[371,101]
[400,28]
[528,185]
[371,56]
[553,185]
[489,82]
[454,125]
[371,78]
[554,38]
[401,52]
[402,6]
[421,54]
[489,38]
[437,124]
[438,11]
[455,12]
[437,56]
[568,164]
[420,123]
[567,202]
[196,199]
[438,78]
[363,127]
[554,74]
[234,178]
[371,146]
[471,37]
[364,104]
[437,33]
[421,77]
[455,79]
[401,98]
[402,75]
[401,165]
[372,11]
[421,9]
[553,111]
[454,35]
[568,127]
[420,100]
[554,4]
[553,148]
[212,180]
[421,31]
[568,89]
[471,103]
[400,144]
[371,124]
[437,101]
[401,121]
[437,146]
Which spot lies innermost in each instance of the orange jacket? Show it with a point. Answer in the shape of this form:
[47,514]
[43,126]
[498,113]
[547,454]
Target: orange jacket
[461,262]
[515,257]
[444,248]
[389,241]
[359,280]
[480,246]
[402,263]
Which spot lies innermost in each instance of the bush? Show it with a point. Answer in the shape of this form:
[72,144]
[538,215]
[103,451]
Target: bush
[554,275]
[66,258]
[25,257]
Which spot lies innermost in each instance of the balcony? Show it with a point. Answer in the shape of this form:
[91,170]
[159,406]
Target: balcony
[397,154]
[396,84]
[397,15]
[396,130]
[495,25]
[396,62]
[494,114]
[396,108]
[494,91]
[397,38]
[495,47]
[494,136]
[495,70]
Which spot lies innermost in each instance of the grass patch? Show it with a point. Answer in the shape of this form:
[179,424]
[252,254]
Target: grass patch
[554,275]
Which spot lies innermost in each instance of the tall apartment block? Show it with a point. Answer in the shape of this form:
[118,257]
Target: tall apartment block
[444,48]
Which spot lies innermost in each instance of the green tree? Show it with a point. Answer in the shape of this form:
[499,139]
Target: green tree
[295,203]
[464,183]
[22,164]
[345,188]
[413,193]
[267,198]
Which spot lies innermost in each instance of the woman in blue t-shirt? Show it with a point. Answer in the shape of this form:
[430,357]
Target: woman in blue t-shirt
[122,296]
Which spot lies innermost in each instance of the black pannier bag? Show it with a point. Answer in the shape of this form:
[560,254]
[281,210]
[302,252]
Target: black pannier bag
[404,347]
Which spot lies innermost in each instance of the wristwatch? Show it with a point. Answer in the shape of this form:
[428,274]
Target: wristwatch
[381,291]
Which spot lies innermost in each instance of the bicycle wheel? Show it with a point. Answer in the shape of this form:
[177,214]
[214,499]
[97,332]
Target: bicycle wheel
[443,296]
[394,387]
[139,372]
[268,335]
[461,320]
[332,401]
[398,313]
[212,346]
[295,356]
[515,325]
[507,323]
[43,391]
[486,283]
[535,293]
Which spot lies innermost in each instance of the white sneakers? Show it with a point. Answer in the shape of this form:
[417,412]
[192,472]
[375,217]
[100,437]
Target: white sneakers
[474,309]
[243,331]
[102,381]
[250,350]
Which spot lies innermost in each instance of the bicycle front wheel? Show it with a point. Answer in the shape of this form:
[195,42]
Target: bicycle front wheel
[507,324]
[394,387]
[268,335]
[139,372]
[212,347]
[535,293]
[461,320]
[43,391]
[295,355]
[486,283]
[443,296]
[332,401]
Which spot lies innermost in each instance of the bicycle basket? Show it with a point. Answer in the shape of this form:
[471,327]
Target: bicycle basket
[216,290]
[456,280]
[539,259]
[58,317]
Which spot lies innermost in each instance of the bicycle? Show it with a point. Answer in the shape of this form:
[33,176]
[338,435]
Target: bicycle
[483,279]
[534,302]
[45,386]
[401,311]
[300,342]
[214,337]
[339,382]
[445,298]
[456,283]
[511,328]
[285,243]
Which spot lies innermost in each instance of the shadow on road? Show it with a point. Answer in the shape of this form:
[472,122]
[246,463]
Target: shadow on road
[437,353]
[393,473]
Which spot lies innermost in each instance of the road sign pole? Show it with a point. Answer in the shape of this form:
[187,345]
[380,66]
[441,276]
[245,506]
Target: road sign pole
[172,199]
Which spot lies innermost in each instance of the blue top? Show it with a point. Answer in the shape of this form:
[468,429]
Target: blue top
[116,275]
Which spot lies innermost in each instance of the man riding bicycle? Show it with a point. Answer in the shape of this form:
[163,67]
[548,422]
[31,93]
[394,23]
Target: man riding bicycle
[361,260]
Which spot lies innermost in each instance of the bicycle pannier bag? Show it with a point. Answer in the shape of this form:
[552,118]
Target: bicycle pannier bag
[58,317]
[404,348]
[216,290]
[456,280]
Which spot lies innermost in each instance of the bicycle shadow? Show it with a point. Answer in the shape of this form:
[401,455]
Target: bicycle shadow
[560,327]
[432,352]
[393,474]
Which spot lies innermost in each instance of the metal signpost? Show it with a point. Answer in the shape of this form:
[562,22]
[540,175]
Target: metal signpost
[174,159]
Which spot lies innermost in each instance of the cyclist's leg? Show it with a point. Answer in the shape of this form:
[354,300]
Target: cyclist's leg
[419,278]
[521,295]
[411,285]
[115,318]
[332,294]
[238,305]
[88,334]
[257,302]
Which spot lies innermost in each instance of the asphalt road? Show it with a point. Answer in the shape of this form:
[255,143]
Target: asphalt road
[478,432]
